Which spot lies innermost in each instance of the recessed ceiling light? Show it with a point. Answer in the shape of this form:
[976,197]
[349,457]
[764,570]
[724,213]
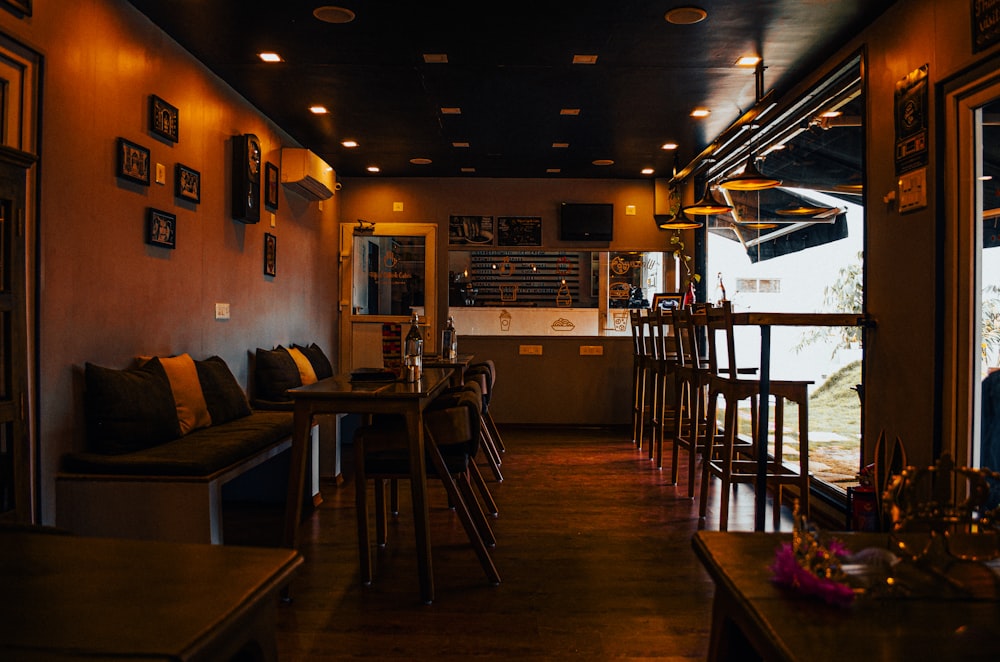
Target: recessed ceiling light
[701,112]
[267,56]
[451,111]
[647,171]
[460,144]
[373,169]
[553,171]
[318,110]
[436,58]
[420,161]
[602,162]
[569,111]
[336,15]
[668,146]
[748,61]
[560,145]
[584,59]
[349,143]
[686,15]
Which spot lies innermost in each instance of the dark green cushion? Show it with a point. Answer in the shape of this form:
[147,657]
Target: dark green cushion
[274,373]
[224,396]
[128,410]
[199,453]
[320,364]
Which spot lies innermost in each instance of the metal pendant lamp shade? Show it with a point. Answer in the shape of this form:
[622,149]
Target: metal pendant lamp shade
[680,222]
[708,204]
[751,179]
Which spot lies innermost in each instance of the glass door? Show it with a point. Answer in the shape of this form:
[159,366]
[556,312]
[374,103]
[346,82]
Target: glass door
[387,273]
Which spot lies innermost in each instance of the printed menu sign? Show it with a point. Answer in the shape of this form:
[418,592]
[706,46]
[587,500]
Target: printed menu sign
[519,231]
[985,24]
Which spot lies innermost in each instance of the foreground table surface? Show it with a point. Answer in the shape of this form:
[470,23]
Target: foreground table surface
[67,596]
[750,611]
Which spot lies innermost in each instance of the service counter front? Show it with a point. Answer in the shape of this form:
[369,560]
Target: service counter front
[555,366]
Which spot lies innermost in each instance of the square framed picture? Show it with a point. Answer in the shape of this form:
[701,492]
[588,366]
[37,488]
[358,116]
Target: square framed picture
[187,183]
[271,186]
[133,162]
[270,254]
[161,228]
[163,118]
[667,300]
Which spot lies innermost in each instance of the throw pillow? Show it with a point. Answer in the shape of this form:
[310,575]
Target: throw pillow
[306,372]
[321,365]
[224,396]
[274,373]
[192,412]
[128,410]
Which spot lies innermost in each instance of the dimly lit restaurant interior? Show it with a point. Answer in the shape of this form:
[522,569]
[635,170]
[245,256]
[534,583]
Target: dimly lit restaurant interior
[450,330]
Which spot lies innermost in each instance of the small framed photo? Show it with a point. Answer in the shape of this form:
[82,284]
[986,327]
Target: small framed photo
[161,228]
[187,183]
[270,254]
[667,301]
[163,119]
[133,162]
[271,186]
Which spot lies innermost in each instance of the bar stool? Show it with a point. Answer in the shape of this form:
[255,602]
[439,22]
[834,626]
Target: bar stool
[381,450]
[483,377]
[731,459]
[491,427]
[664,362]
[691,374]
[642,372]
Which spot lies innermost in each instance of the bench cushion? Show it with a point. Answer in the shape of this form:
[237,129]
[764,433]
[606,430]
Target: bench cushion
[200,453]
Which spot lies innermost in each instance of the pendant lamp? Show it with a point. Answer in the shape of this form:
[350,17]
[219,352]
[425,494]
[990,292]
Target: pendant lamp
[751,179]
[708,204]
[680,222]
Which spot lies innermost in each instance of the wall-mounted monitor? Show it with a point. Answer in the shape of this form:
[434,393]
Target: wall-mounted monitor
[586,221]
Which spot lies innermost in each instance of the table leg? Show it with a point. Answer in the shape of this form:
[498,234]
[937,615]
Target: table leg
[421,515]
[297,473]
[760,496]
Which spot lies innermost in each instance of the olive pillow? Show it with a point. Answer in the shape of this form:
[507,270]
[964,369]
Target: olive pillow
[129,410]
[321,364]
[274,373]
[224,396]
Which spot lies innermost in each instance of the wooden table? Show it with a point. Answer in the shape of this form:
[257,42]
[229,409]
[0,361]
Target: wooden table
[339,395]
[458,365]
[765,321]
[63,597]
[751,614]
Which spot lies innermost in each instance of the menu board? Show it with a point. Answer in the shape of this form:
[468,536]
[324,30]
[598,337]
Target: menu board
[519,231]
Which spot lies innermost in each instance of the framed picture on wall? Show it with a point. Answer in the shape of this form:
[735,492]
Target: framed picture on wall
[271,186]
[163,119]
[19,8]
[270,254]
[187,183]
[161,228]
[133,162]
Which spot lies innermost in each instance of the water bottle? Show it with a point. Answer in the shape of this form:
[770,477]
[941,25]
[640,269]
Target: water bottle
[413,352]
[449,341]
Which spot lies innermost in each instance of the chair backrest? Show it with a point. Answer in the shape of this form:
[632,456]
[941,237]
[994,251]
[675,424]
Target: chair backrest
[685,338]
[719,322]
[638,332]
[454,416]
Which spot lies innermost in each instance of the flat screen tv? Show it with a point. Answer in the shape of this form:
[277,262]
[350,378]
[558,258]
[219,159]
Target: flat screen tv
[586,221]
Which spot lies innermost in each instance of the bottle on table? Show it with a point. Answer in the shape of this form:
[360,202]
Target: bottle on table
[449,341]
[413,352]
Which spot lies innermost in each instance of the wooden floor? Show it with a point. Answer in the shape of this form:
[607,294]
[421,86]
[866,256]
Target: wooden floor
[593,546]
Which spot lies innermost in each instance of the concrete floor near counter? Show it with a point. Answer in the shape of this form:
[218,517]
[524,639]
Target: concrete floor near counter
[560,386]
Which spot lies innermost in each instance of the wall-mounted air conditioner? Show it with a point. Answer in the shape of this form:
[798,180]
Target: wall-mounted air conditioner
[307,175]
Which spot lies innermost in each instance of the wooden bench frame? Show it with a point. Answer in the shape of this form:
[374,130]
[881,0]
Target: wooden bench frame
[171,508]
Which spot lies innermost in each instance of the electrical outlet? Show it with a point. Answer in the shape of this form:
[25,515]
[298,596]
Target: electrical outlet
[222,311]
[591,350]
[530,350]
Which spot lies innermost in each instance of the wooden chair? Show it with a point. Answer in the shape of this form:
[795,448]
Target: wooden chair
[642,372]
[690,394]
[381,452]
[730,458]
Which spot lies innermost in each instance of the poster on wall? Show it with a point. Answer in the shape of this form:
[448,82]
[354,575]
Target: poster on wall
[519,231]
[470,230]
[911,121]
[985,23]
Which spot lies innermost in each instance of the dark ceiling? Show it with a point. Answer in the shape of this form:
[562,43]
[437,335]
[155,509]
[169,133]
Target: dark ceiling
[509,69]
